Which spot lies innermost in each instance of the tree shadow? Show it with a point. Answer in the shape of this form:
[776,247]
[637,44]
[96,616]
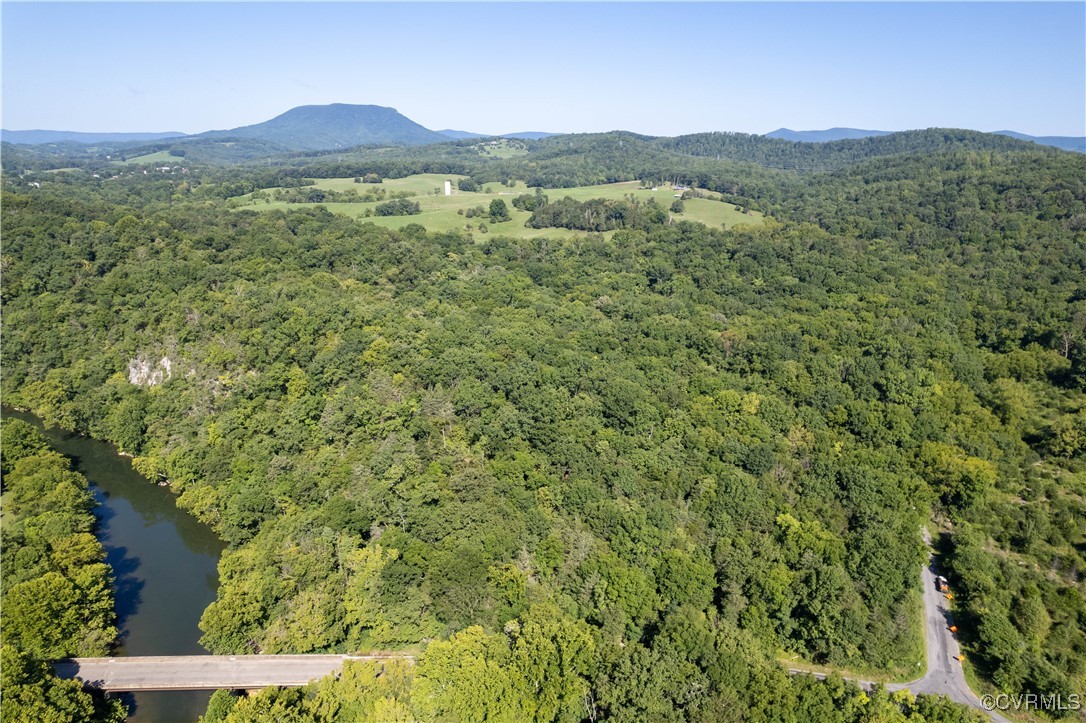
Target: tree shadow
[103,513]
[129,700]
[127,585]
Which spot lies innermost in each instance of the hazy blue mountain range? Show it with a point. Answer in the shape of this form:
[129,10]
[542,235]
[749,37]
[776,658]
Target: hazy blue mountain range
[341,126]
[305,128]
[466,135]
[40,136]
[830,134]
[1067,143]
[531,135]
[460,135]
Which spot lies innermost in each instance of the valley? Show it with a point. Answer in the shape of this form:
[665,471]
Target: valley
[606,429]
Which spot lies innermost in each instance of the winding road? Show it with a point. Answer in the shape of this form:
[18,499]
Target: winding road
[945,675]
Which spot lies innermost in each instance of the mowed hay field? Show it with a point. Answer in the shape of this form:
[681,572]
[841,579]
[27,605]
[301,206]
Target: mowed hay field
[439,212]
[157,157]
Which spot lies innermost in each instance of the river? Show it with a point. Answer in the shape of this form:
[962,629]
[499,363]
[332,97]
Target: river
[165,564]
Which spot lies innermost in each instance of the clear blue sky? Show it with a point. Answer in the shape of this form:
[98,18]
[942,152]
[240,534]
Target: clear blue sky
[662,69]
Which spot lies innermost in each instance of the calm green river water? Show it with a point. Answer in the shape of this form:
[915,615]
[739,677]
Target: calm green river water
[165,563]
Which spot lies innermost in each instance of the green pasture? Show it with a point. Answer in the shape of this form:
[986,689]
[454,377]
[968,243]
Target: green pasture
[440,212]
[157,157]
[500,189]
[709,211]
[420,184]
[505,148]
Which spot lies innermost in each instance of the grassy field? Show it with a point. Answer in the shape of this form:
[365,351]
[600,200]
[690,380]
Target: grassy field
[162,157]
[505,148]
[440,212]
[418,185]
[708,211]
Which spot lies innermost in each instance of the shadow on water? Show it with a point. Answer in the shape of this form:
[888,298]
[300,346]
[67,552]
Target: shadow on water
[130,702]
[127,585]
[103,513]
[126,581]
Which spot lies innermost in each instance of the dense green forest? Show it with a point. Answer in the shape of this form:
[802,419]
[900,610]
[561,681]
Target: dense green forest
[476,676]
[810,157]
[612,477]
[57,599]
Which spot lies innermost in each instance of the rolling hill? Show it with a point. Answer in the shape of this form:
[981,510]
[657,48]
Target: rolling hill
[831,155]
[1066,143]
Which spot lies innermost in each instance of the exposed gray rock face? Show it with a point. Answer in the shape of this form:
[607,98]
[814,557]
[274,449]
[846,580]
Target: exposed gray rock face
[145,373]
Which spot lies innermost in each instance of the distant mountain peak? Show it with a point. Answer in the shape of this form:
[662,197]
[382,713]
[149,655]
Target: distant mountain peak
[336,125]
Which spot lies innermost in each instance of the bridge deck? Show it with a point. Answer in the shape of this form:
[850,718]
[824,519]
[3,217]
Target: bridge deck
[205,672]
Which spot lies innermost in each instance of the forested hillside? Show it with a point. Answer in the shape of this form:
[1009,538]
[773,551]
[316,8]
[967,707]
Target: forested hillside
[798,156]
[386,142]
[614,477]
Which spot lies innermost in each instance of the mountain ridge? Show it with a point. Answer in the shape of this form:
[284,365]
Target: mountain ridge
[824,136]
[38,136]
[520,135]
[1067,143]
[339,126]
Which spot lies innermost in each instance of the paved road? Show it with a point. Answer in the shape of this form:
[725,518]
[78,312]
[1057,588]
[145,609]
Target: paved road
[205,672]
[944,675]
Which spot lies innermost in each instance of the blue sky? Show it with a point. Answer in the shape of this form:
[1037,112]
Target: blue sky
[661,69]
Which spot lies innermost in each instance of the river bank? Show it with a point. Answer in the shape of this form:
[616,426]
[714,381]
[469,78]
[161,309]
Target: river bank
[164,561]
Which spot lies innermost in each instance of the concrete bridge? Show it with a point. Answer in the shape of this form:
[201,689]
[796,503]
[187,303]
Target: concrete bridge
[206,672]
